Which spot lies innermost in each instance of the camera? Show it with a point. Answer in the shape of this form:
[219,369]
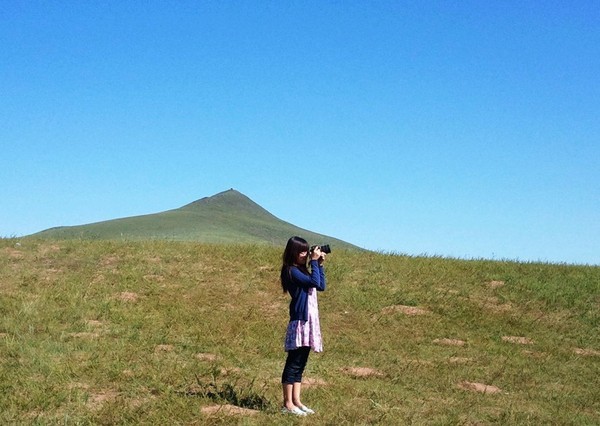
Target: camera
[324,248]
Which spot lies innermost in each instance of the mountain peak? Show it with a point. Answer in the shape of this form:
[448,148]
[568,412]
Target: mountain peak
[224,200]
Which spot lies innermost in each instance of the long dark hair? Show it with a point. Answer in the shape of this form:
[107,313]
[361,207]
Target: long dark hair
[293,248]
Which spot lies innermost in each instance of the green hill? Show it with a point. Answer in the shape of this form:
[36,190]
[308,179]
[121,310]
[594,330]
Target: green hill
[227,217]
[181,333]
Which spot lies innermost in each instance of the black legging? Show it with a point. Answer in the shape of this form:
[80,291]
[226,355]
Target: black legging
[294,365]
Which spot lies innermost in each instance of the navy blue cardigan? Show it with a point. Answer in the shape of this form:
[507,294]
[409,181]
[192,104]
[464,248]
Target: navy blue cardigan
[298,284]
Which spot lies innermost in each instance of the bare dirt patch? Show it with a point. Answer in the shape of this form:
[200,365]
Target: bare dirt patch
[97,400]
[128,296]
[406,310]
[228,410]
[459,360]
[450,342]
[586,352]
[495,284]
[164,348]
[362,372]
[479,387]
[206,357]
[13,253]
[519,340]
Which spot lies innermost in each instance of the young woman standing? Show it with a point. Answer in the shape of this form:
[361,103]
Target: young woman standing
[303,331]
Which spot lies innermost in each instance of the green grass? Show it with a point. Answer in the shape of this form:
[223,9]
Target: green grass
[106,332]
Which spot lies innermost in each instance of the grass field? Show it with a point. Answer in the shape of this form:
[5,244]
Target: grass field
[97,332]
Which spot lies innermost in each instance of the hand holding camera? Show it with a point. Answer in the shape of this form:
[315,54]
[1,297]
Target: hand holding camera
[319,252]
[315,253]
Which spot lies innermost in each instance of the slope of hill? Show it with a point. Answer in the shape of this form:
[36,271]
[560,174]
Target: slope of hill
[162,332]
[227,217]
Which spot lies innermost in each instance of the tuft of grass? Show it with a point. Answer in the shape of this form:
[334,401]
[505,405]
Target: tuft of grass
[227,392]
[152,332]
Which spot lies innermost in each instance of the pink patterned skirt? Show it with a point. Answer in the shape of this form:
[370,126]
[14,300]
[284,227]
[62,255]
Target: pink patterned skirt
[306,333]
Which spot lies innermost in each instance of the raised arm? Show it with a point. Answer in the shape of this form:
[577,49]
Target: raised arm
[316,278]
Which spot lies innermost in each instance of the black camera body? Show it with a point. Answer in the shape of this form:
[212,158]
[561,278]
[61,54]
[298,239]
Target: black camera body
[324,248]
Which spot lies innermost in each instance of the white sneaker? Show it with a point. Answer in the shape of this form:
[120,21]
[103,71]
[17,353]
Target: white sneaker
[295,411]
[306,409]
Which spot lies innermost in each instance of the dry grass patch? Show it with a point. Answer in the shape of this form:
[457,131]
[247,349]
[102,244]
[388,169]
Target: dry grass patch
[519,340]
[109,261]
[479,387]
[44,249]
[495,284]
[128,296]
[491,304]
[94,323]
[206,357]
[312,382]
[406,310]
[586,352]
[450,342]
[153,278]
[164,348]
[127,373]
[459,360]
[78,385]
[14,254]
[228,410]
[97,400]
[362,372]
[98,278]
[229,371]
[84,335]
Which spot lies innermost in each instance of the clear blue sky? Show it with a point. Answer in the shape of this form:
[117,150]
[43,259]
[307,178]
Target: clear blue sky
[456,128]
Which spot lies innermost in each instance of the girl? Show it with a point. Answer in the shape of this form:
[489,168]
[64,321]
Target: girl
[303,332]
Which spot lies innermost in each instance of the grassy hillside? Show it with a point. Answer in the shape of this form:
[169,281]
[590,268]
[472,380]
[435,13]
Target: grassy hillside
[227,217]
[107,332]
